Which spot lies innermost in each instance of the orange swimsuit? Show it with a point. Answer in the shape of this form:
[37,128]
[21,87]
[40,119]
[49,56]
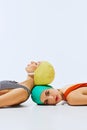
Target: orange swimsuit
[76,86]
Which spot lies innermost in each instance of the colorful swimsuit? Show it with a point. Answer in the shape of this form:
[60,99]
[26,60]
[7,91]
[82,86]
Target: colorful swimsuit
[76,86]
[6,84]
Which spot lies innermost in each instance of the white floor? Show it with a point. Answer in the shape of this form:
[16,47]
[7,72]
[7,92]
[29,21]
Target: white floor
[30,116]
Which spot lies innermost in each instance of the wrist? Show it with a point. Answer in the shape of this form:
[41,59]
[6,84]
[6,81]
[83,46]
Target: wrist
[30,77]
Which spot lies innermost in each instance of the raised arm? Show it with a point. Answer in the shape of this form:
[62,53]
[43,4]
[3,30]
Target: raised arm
[19,95]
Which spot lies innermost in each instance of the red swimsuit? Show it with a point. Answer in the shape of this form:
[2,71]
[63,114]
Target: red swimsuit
[76,86]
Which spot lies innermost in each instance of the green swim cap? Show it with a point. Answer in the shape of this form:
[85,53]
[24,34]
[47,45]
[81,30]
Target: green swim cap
[37,91]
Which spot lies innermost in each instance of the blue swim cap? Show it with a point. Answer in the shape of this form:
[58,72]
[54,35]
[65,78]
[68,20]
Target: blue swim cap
[37,91]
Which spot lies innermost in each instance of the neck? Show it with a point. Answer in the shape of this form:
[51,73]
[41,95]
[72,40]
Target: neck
[61,93]
[29,82]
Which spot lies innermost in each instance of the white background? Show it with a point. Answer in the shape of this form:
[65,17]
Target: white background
[52,30]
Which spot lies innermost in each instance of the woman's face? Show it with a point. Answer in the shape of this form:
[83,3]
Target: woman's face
[32,66]
[51,96]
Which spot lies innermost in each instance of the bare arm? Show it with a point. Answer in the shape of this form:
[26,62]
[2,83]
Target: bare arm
[19,95]
[77,99]
[15,96]
[29,83]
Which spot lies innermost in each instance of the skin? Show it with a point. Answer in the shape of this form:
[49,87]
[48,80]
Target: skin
[16,96]
[51,96]
[75,98]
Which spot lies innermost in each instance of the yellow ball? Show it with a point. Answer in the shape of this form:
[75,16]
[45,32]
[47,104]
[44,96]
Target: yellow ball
[44,74]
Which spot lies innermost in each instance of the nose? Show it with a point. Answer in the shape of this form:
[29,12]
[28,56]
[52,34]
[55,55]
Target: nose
[32,62]
[28,64]
[51,97]
[51,100]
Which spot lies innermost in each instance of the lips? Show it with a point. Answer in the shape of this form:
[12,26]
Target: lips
[56,99]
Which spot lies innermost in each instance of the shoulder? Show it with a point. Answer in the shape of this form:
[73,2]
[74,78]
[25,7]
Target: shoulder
[66,87]
[76,98]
